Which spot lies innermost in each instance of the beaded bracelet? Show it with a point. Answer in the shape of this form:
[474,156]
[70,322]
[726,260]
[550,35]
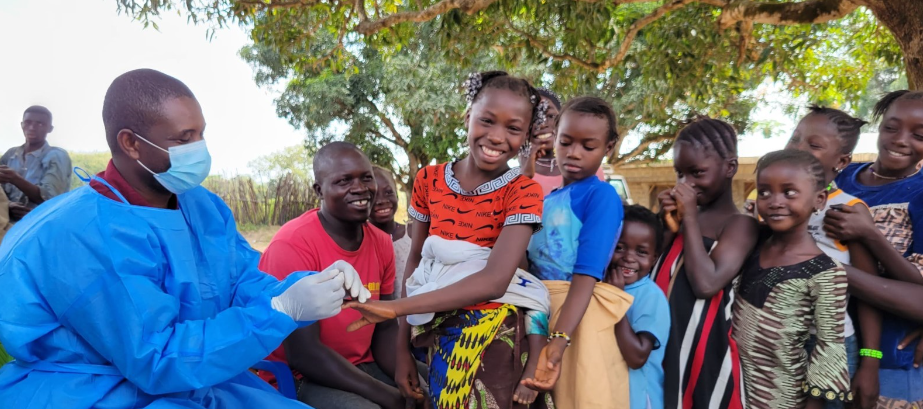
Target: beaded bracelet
[559,334]
[871,353]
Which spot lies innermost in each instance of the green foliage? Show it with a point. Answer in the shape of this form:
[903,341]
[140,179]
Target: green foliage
[294,160]
[92,162]
[347,69]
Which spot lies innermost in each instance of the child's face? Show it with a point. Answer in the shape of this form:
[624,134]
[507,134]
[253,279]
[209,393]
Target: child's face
[498,125]
[385,199]
[900,135]
[818,136]
[544,135]
[634,254]
[581,145]
[703,170]
[787,195]
[35,127]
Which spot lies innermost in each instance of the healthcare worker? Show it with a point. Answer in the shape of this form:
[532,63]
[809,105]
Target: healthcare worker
[137,291]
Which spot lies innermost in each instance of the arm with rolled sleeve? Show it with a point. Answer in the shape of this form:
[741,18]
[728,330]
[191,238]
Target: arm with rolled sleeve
[828,375]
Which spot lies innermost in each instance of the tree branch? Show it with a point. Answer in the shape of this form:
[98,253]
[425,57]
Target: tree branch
[805,12]
[642,147]
[273,4]
[366,27]
[538,44]
[398,139]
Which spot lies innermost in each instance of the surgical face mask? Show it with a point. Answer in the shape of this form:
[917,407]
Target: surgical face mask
[189,166]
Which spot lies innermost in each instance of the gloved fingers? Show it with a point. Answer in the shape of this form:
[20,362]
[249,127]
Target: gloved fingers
[353,282]
[321,277]
[364,295]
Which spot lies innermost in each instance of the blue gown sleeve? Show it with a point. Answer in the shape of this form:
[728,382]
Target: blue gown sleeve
[127,318]
[602,224]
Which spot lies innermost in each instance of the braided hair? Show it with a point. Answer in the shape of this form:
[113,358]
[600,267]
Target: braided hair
[547,93]
[885,102]
[709,133]
[799,158]
[478,82]
[848,127]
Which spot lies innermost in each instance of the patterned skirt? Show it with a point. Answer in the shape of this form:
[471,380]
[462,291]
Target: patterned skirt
[476,358]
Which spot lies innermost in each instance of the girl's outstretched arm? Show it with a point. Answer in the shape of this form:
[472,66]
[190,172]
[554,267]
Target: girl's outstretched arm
[854,223]
[488,284]
[896,297]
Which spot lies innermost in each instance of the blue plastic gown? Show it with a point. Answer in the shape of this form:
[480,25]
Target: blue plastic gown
[109,305]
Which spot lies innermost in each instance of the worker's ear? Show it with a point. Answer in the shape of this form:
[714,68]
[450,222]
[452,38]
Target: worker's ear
[128,143]
[317,190]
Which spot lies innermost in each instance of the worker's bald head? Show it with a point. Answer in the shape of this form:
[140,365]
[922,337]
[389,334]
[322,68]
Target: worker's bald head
[328,157]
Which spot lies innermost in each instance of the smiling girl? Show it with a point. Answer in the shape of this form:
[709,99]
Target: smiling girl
[892,186]
[697,269]
[787,285]
[477,347]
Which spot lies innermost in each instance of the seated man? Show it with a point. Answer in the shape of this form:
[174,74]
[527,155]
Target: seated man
[337,369]
[34,172]
[137,291]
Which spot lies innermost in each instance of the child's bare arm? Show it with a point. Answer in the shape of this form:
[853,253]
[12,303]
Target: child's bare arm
[635,348]
[865,384]
[736,242]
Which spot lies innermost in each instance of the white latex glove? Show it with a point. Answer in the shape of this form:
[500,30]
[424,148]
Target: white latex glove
[313,298]
[351,281]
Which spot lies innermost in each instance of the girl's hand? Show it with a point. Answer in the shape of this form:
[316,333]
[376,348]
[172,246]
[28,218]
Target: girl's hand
[549,366]
[372,312]
[667,204]
[616,278]
[918,354]
[407,378]
[865,388]
[686,201]
[849,223]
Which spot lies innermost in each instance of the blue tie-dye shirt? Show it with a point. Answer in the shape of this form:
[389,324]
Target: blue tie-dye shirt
[581,224]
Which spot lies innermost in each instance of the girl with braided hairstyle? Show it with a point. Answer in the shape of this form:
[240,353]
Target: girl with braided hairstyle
[787,287]
[476,333]
[892,187]
[708,242]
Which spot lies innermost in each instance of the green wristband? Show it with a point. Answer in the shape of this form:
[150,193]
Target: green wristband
[871,353]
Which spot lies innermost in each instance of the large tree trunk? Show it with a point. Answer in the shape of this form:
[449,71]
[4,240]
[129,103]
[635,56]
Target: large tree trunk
[905,20]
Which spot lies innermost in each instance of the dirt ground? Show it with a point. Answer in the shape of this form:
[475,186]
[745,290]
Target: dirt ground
[259,238]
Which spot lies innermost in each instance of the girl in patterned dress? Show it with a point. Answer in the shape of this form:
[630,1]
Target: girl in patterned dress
[477,348]
[892,186]
[701,367]
[787,286]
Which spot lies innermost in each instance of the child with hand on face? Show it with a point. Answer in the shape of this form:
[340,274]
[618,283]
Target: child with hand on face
[708,243]
[646,326]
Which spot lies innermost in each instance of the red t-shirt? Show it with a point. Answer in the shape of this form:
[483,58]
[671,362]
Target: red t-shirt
[303,245]
[477,216]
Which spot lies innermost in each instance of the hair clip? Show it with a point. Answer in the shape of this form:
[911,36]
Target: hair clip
[541,112]
[472,86]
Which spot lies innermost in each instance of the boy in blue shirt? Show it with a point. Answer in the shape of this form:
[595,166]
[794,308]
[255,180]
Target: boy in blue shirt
[647,323]
[570,254]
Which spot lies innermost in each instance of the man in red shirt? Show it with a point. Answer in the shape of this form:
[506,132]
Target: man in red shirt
[337,369]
